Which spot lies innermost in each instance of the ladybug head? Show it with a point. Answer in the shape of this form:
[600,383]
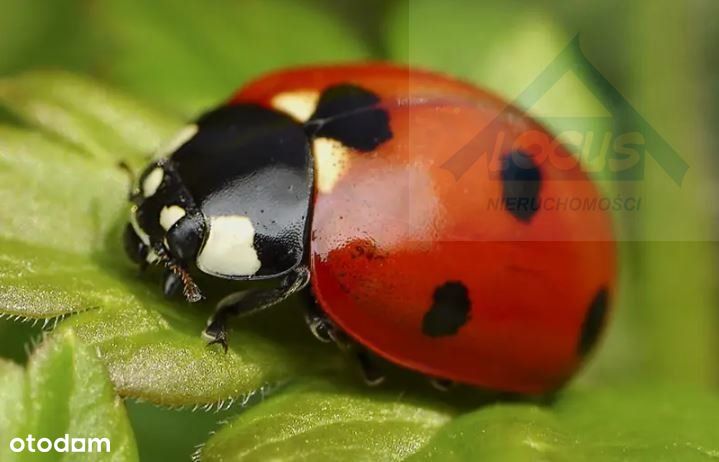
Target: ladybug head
[164,226]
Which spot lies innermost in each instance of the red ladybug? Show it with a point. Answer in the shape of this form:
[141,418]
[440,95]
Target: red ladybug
[439,227]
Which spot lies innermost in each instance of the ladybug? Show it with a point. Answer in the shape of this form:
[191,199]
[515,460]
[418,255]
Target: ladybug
[433,224]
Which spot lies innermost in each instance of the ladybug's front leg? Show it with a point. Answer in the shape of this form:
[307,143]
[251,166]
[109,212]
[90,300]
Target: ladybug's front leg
[325,331]
[250,301]
[322,328]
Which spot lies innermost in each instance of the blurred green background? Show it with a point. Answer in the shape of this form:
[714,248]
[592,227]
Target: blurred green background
[660,56]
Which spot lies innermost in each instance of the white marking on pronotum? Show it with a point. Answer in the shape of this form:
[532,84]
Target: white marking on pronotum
[300,104]
[169,215]
[136,226]
[152,181]
[176,142]
[229,248]
[331,162]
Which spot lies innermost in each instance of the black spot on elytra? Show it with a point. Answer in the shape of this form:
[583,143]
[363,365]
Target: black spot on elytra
[352,116]
[449,310]
[593,322]
[521,181]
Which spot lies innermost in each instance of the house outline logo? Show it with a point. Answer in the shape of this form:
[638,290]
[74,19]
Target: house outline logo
[573,59]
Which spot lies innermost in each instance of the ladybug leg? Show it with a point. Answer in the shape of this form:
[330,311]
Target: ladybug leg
[441,384]
[321,327]
[251,301]
[325,331]
[371,373]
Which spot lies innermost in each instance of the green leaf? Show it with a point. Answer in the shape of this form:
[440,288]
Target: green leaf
[65,390]
[42,283]
[170,434]
[102,121]
[56,196]
[49,35]
[60,253]
[340,422]
[194,56]
[676,233]
[319,421]
[156,353]
[628,424]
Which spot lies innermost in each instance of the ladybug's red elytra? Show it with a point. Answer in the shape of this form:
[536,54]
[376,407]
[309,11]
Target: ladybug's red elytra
[412,206]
